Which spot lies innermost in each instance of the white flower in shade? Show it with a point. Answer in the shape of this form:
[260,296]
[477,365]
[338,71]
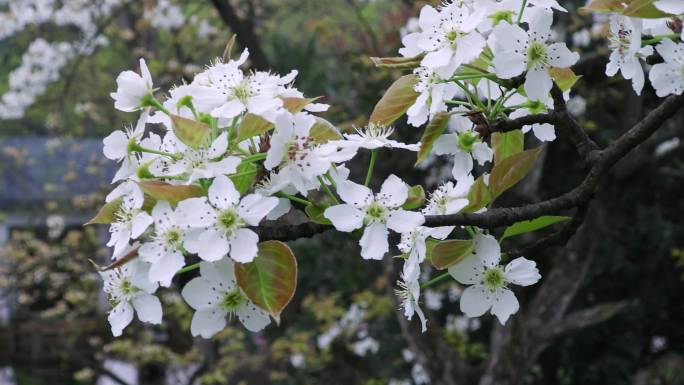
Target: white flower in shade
[412,243]
[465,145]
[543,131]
[118,146]
[626,50]
[132,88]
[298,157]
[218,223]
[517,51]
[449,198]
[675,7]
[434,91]
[215,295]
[228,92]
[195,164]
[130,291]
[668,77]
[409,292]
[448,37]
[373,136]
[490,281]
[165,248]
[130,220]
[375,212]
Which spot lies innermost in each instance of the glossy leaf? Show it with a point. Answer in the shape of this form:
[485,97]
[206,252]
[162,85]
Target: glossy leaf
[397,99]
[565,78]
[271,279]
[449,253]
[511,171]
[106,214]
[644,9]
[190,132]
[437,126]
[416,198]
[244,176]
[532,225]
[506,144]
[603,6]
[324,131]
[173,194]
[478,196]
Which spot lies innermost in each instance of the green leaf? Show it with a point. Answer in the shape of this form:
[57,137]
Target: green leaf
[478,196]
[644,9]
[190,132]
[511,171]
[603,6]
[433,131]
[449,253]
[315,213]
[397,62]
[162,191]
[106,214]
[416,198]
[244,176]
[324,131]
[565,78]
[254,125]
[397,99]
[506,144]
[271,279]
[532,225]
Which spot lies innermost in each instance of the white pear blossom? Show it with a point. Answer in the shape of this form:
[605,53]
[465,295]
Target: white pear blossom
[219,222]
[132,88]
[130,220]
[448,37]
[412,243]
[489,281]
[545,132]
[376,212]
[119,145]
[130,291]
[373,136]
[215,295]
[449,198]
[626,50]
[164,251]
[434,91]
[517,51]
[465,145]
[668,78]
[298,157]
[409,293]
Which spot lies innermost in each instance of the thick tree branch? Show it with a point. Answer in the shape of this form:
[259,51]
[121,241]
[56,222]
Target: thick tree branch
[581,319]
[290,232]
[581,194]
[244,29]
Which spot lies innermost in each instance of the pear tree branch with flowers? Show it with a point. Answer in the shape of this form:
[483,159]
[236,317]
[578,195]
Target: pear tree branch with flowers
[242,149]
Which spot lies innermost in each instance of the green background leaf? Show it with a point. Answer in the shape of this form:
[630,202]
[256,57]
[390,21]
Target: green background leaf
[532,225]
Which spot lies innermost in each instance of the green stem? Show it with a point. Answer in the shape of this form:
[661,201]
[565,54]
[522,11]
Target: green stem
[328,190]
[371,166]
[459,103]
[192,267]
[331,180]
[254,157]
[150,101]
[435,280]
[293,198]
[659,38]
[137,148]
[522,10]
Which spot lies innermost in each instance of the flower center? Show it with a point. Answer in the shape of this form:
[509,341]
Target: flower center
[452,36]
[242,91]
[299,148]
[466,140]
[536,55]
[173,238]
[500,16]
[494,278]
[376,213]
[536,107]
[232,300]
[229,221]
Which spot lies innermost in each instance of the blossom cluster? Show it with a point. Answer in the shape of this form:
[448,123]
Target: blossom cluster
[238,148]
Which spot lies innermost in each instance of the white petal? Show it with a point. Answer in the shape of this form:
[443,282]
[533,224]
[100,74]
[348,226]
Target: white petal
[482,153]
[476,300]
[469,47]
[199,295]
[438,58]
[403,221]
[254,207]
[354,193]
[120,317]
[115,145]
[344,217]
[374,243]
[212,245]
[538,84]
[393,192]
[252,317]
[164,270]
[521,271]
[163,214]
[220,274]
[560,56]
[141,222]
[504,305]
[469,271]
[219,146]
[488,250]
[222,193]
[229,110]
[208,322]
[544,132]
[148,308]
[195,212]
[243,246]
[463,165]
[446,144]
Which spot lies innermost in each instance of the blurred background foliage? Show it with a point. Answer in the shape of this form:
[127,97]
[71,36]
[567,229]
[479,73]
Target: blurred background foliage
[341,327]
